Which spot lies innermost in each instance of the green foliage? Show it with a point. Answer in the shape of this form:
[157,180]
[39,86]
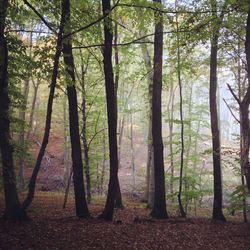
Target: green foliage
[236,199]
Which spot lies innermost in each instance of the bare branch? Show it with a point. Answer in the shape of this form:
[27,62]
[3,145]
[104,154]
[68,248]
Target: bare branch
[233,94]
[231,111]
[30,31]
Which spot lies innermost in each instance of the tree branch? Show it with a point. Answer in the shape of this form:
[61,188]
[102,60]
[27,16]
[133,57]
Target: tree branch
[40,16]
[30,31]
[91,24]
[231,111]
[233,94]
[176,12]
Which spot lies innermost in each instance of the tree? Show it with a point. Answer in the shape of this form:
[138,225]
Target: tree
[159,207]
[182,212]
[244,110]
[118,199]
[76,153]
[107,214]
[217,205]
[149,191]
[244,102]
[12,203]
[32,182]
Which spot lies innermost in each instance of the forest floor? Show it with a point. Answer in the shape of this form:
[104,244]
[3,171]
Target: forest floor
[51,227]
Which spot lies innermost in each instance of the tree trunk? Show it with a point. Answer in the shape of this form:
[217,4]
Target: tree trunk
[84,135]
[118,199]
[32,183]
[244,109]
[12,204]
[107,214]
[33,106]
[132,153]
[182,212]
[217,204]
[66,152]
[170,111]
[76,153]
[241,89]
[159,208]
[103,161]
[22,117]
[149,191]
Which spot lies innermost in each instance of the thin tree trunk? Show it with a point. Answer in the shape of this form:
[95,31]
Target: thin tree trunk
[107,214]
[118,199]
[22,117]
[76,153]
[182,212]
[217,204]
[32,183]
[121,130]
[104,161]
[132,152]
[66,154]
[33,106]
[159,208]
[188,145]
[12,203]
[171,126]
[149,191]
[84,134]
[66,194]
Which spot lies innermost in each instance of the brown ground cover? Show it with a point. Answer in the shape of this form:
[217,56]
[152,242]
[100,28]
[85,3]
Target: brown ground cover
[52,227]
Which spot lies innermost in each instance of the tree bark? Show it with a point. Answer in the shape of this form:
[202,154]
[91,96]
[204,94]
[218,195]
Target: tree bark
[12,204]
[107,214]
[244,109]
[76,153]
[118,199]
[159,208]
[217,204]
[84,134]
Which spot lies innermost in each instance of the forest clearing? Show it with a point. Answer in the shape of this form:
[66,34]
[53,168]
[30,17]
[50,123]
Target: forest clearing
[124,124]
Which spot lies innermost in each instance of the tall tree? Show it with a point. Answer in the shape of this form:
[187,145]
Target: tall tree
[244,102]
[149,190]
[76,153]
[118,199]
[182,212]
[84,69]
[107,214]
[244,109]
[159,207]
[22,117]
[12,203]
[32,182]
[217,204]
